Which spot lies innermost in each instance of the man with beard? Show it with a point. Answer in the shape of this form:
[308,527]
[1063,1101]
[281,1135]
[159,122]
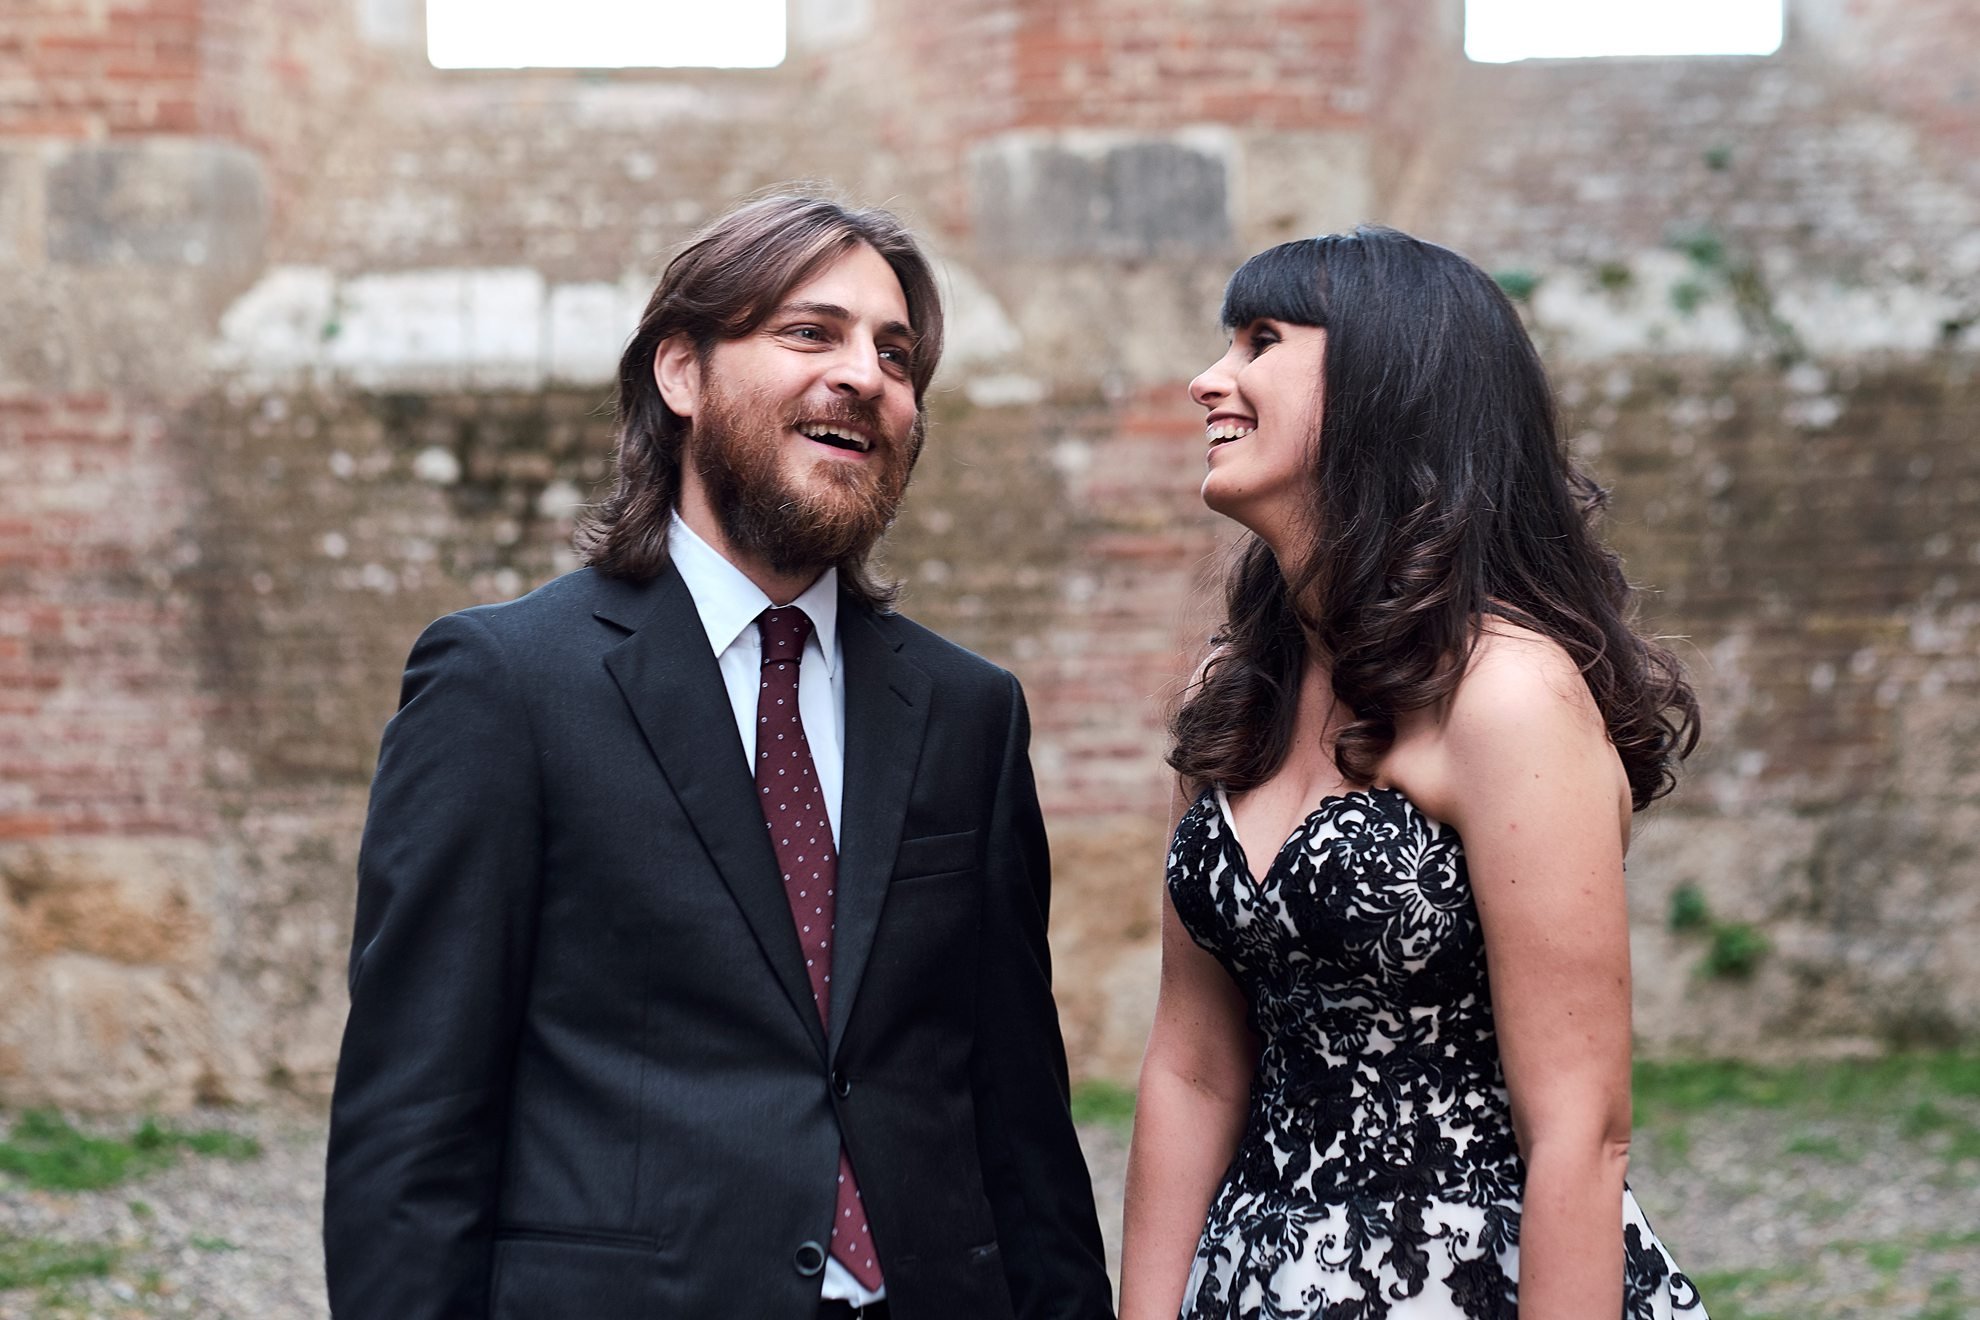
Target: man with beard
[700,964]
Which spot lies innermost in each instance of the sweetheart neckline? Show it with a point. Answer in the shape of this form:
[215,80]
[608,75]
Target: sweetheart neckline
[1327,803]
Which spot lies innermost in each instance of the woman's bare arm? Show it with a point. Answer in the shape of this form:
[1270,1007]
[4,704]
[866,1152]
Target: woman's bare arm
[1535,789]
[1189,1114]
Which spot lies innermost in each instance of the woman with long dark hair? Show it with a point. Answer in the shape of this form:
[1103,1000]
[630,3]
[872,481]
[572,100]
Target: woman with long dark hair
[1411,755]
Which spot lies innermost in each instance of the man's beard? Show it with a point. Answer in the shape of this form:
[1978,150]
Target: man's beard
[835,518]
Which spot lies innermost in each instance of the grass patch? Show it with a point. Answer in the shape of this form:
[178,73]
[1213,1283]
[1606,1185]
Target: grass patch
[1947,1299]
[1735,1294]
[1819,1144]
[1886,1257]
[38,1262]
[1953,1238]
[49,1153]
[1954,1135]
[1898,1084]
[1807,1291]
[1105,1103]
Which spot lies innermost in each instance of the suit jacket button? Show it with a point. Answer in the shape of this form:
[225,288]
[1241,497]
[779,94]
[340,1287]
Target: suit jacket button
[841,1084]
[809,1259]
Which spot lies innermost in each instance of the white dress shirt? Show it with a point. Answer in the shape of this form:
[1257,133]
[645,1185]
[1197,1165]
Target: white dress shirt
[728,603]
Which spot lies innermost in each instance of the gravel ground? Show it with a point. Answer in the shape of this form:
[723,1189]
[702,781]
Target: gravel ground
[214,1238]
[1774,1216]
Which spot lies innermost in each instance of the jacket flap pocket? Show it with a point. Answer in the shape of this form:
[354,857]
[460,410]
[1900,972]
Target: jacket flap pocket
[935,854]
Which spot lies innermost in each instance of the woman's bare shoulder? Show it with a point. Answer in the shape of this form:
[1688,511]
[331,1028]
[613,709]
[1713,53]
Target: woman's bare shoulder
[1516,676]
[1520,707]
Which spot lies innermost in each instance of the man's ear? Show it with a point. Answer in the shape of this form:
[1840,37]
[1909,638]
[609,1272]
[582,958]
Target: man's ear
[677,371]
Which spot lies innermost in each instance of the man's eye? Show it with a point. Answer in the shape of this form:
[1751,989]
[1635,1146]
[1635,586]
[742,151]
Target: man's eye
[900,356]
[811,332]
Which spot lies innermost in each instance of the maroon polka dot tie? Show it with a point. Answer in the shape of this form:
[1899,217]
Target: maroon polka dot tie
[801,834]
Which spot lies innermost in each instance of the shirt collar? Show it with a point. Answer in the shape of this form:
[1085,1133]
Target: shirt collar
[728,602]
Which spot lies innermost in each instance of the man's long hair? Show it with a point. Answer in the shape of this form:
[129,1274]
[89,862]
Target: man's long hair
[1439,493]
[723,285]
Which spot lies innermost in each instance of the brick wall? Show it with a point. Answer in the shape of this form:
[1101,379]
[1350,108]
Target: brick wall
[279,77]
[1134,64]
[105,876]
[100,726]
[147,151]
[236,485]
[100,70]
[1917,54]
[1821,568]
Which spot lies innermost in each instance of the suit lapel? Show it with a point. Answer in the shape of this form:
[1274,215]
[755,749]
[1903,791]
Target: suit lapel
[669,678]
[887,701]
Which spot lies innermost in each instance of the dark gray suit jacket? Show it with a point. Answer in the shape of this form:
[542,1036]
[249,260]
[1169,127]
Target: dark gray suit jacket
[584,1077]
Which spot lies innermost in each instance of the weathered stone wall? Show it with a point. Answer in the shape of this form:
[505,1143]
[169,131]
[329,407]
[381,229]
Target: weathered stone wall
[147,147]
[331,356]
[1757,282]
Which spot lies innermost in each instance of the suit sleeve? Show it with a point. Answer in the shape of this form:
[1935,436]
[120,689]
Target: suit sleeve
[1034,1173]
[447,877]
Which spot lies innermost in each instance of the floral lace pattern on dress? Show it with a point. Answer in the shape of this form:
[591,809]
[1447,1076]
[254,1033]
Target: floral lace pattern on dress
[1378,1175]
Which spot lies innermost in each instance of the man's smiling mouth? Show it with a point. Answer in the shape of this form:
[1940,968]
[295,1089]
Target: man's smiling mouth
[837,438]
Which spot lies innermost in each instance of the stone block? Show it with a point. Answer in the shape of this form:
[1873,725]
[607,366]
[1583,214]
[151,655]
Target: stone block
[88,1034]
[818,25]
[157,203]
[1297,185]
[588,325]
[20,209]
[394,24]
[977,330]
[1067,196]
[106,947]
[136,902]
[282,324]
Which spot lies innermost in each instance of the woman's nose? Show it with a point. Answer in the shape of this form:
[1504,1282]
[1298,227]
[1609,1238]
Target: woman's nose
[1211,386]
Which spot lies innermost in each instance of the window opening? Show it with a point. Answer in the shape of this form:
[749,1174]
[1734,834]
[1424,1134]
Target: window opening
[1500,31]
[604,34]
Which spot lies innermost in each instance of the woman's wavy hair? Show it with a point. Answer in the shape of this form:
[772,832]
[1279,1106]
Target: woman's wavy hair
[1441,493]
[723,285]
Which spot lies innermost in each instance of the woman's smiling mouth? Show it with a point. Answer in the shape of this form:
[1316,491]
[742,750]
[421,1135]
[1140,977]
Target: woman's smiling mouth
[1221,431]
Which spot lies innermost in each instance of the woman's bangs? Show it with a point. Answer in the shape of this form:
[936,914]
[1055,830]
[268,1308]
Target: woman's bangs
[1279,284]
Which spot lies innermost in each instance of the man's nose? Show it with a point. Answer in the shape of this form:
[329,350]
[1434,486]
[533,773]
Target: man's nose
[856,370]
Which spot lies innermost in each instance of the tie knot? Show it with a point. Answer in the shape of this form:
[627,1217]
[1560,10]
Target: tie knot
[783,630]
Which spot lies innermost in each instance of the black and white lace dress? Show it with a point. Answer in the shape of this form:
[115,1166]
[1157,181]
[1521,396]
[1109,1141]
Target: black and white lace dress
[1378,1174]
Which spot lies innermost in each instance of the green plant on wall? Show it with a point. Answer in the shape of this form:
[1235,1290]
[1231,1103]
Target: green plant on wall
[1717,269]
[1733,949]
[1614,276]
[1688,910]
[1518,284]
